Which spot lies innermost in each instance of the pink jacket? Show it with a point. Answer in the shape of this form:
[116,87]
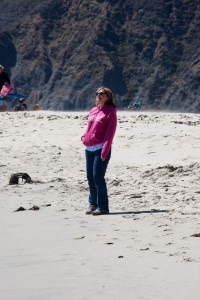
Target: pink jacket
[102,123]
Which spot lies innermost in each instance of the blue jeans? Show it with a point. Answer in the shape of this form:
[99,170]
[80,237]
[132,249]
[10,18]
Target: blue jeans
[96,170]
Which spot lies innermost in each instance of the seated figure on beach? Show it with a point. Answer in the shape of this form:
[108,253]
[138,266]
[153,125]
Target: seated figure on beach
[21,106]
[35,107]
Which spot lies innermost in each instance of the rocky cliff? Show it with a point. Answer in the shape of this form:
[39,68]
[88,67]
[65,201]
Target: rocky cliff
[59,52]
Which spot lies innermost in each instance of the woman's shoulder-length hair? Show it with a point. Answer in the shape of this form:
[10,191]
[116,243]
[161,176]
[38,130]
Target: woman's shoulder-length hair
[109,94]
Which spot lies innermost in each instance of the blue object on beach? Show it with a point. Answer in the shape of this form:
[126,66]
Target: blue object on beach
[135,105]
[12,96]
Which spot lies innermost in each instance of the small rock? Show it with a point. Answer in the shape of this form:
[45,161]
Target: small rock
[20,209]
[196,235]
[35,207]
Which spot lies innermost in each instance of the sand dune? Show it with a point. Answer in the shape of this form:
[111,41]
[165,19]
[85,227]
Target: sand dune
[145,248]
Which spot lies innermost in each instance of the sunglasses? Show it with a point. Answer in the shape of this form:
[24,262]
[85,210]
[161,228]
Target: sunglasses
[100,94]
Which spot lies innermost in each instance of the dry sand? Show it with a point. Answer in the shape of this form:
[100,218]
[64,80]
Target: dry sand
[143,250]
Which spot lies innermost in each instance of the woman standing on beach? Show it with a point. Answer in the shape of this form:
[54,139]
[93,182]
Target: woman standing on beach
[98,137]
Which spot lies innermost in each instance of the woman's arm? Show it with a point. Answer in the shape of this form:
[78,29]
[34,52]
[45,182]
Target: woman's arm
[109,135]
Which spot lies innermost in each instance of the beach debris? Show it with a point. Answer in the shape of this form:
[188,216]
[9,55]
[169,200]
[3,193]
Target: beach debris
[39,181]
[135,196]
[109,243]
[196,235]
[188,259]
[21,208]
[120,256]
[14,178]
[35,207]
[80,238]
[144,249]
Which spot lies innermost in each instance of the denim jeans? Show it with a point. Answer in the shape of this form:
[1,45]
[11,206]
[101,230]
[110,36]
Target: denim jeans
[96,169]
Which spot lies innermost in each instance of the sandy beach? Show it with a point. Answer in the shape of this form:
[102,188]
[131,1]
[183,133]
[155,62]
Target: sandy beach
[147,248]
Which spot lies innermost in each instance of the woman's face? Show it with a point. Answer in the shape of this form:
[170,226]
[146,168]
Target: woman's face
[101,98]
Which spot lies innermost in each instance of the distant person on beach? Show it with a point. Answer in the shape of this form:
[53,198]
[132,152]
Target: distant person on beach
[98,137]
[35,107]
[3,78]
[21,105]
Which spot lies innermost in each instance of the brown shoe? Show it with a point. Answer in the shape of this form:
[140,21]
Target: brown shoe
[90,209]
[99,212]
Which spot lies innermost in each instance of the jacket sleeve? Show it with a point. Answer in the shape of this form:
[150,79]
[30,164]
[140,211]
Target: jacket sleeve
[109,134]
[87,128]
[82,137]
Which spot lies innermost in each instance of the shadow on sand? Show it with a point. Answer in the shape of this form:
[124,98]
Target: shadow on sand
[152,211]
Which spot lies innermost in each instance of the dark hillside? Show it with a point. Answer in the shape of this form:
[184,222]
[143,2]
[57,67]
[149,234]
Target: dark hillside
[60,51]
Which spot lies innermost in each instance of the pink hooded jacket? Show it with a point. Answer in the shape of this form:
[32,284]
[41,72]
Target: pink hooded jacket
[102,123]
